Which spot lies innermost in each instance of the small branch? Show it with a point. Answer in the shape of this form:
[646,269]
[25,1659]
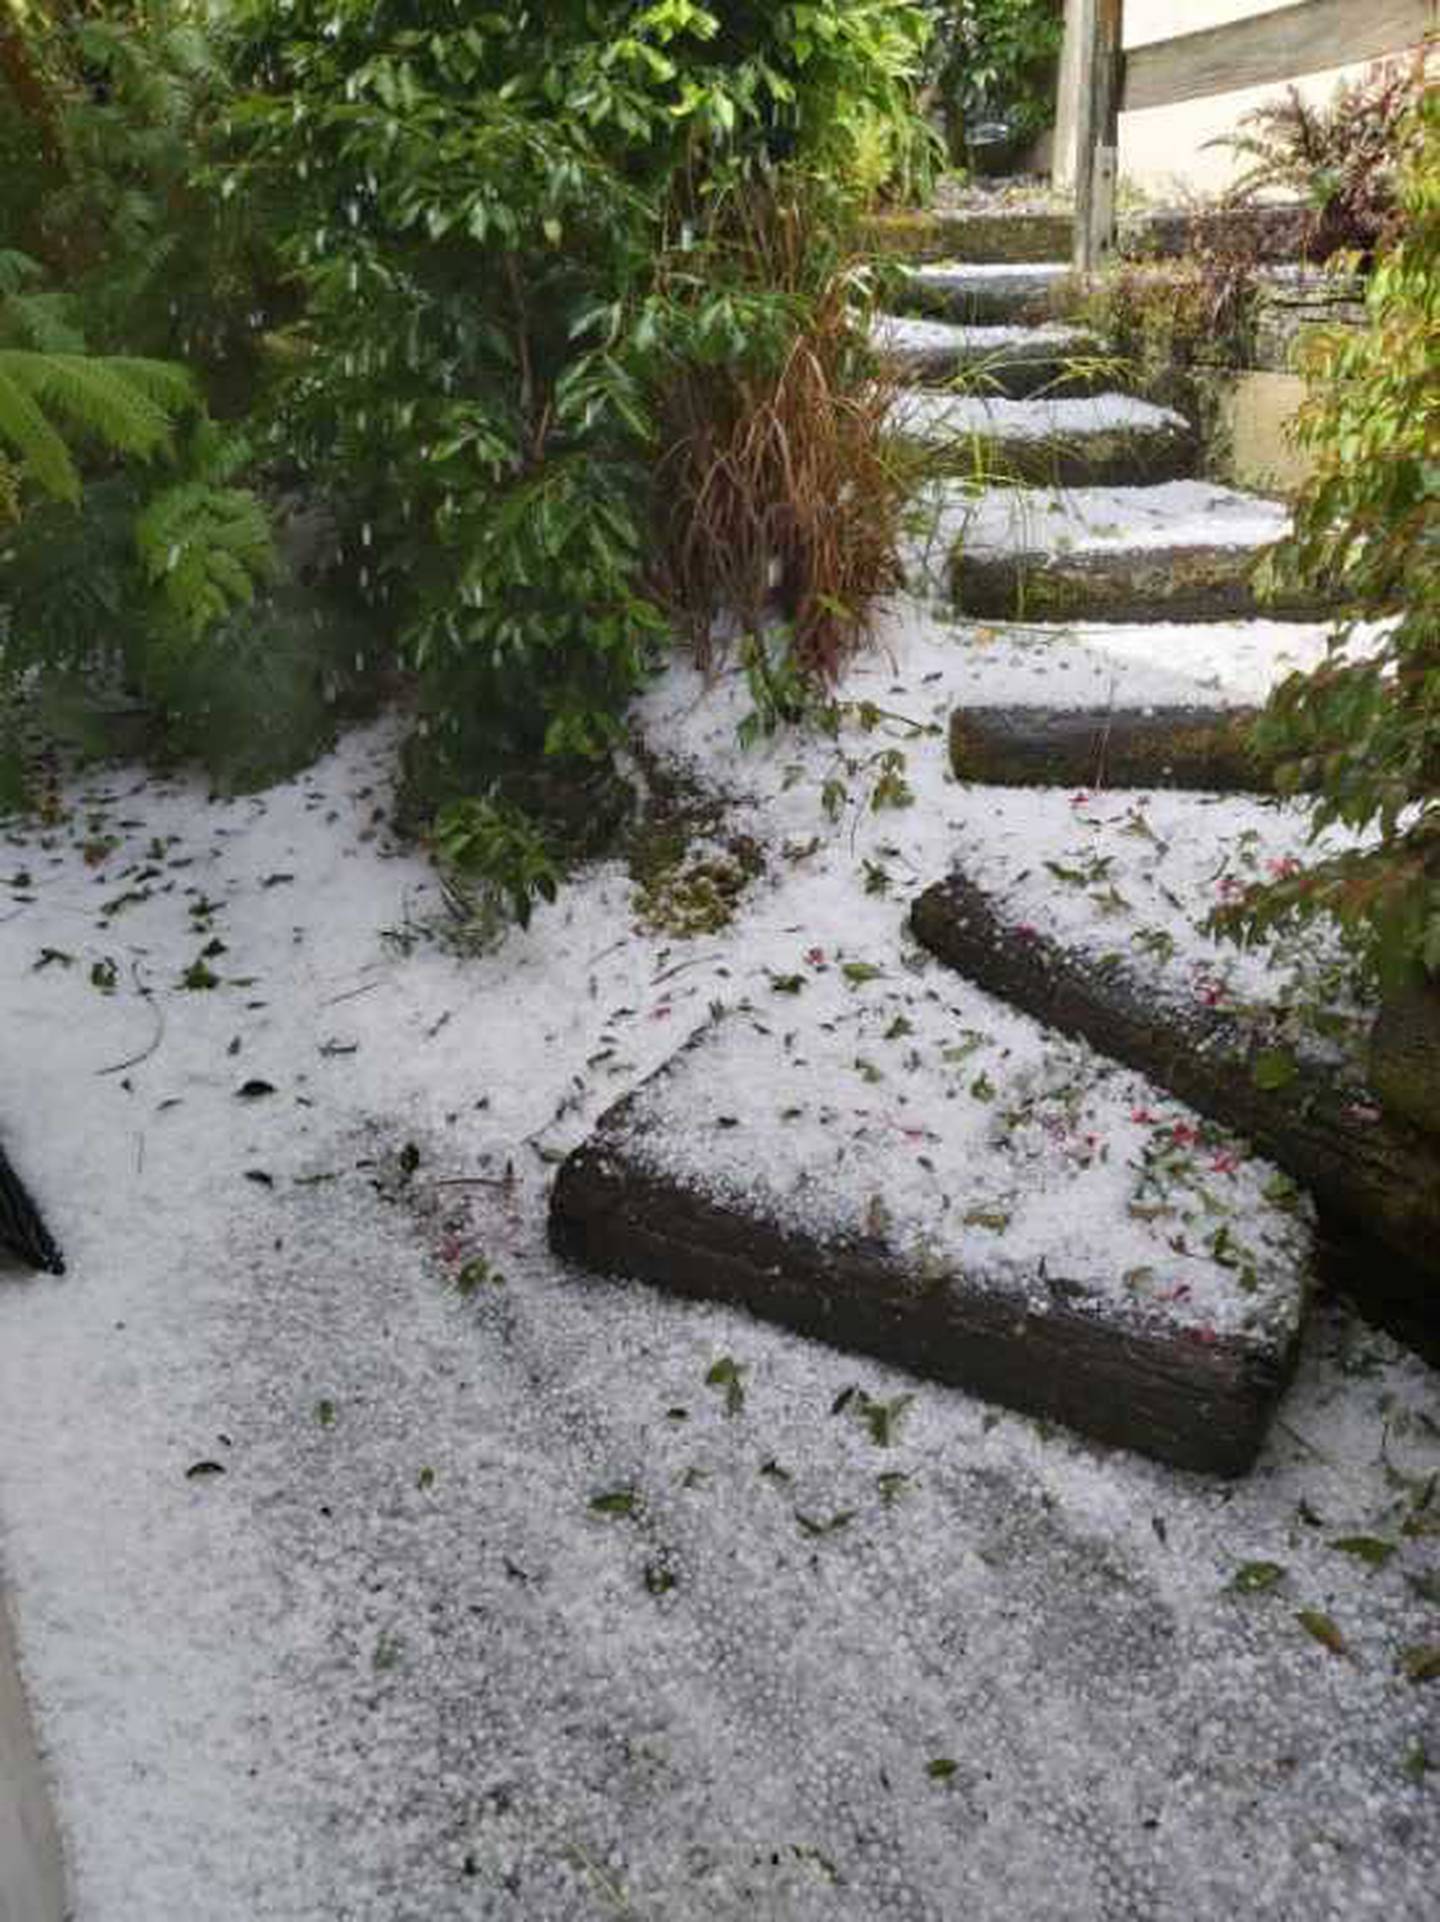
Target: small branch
[147,995]
[350,994]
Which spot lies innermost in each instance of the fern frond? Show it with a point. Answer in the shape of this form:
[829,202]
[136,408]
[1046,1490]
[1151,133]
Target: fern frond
[203,549]
[18,271]
[42,321]
[165,382]
[127,404]
[44,457]
[88,392]
[69,583]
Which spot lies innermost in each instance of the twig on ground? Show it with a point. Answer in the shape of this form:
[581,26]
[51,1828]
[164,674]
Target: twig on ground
[134,1060]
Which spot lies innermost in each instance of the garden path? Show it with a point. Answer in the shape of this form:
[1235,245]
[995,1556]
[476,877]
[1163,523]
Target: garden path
[371,1560]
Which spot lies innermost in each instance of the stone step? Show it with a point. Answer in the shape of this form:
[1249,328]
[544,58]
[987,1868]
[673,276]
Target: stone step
[1013,361]
[1110,439]
[1108,747]
[1183,550]
[864,1164]
[971,235]
[1217,665]
[987,294]
[1373,1175]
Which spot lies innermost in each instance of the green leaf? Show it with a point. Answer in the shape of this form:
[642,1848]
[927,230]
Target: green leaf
[616,1501]
[1422,1663]
[810,1525]
[882,1418]
[477,1273]
[941,1768]
[1274,1068]
[727,1374]
[1365,1548]
[1253,1578]
[1319,1626]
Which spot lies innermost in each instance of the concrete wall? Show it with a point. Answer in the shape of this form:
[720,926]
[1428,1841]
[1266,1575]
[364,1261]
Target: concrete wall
[31,1879]
[1253,415]
[1162,149]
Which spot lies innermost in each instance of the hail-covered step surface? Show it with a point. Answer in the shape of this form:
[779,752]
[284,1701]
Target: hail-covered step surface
[895,1164]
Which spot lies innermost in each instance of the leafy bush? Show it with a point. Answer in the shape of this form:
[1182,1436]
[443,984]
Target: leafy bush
[998,57]
[1166,319]
[119,114]
[1341,159]
[500,863]
[139,560]
[1364,728]
[476,214]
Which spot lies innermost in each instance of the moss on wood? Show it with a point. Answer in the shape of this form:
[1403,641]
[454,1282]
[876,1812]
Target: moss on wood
[1175,747]
[997,238]
[1209,583]
[1376,1175]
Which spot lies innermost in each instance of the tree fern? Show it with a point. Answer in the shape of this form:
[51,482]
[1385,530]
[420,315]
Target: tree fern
[125,403]
[202,549]
[32,315]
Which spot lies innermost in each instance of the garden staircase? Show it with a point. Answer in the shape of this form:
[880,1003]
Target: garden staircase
[1091,512]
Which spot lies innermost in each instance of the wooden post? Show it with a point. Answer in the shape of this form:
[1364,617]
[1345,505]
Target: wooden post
[1062,170]
[1097,122]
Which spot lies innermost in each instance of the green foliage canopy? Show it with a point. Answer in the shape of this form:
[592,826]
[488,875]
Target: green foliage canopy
[479,203]
[1364,728]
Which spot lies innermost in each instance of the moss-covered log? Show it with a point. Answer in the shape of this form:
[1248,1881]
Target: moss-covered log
[1405,1054]
[1189,582]
[1115,1374]
[1374,1174]
[1169,747]
[969,236]
[982,297]
[1012,363]
[1105,457]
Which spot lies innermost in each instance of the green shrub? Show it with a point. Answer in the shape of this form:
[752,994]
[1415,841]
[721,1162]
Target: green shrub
[135,559]
[1364,728]
[998,57]
[486,219]
[1340,158]
[120,115]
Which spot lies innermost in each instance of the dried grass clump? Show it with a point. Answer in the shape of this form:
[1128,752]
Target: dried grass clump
[781,489]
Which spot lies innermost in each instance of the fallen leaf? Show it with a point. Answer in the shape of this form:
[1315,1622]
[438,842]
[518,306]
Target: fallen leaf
[1324,1631]
[1421,1664]
[1253,1578]
[726,1373]
[618,1501]
[1365,1548]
